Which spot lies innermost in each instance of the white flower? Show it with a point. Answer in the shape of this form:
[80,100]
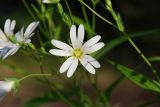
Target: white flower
[78,51]
[46,1]
[50,1]
[6,46]
[5,87]
[9,42]
[24,37]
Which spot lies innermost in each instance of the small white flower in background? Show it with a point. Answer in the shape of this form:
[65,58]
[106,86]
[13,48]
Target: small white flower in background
[50,1]
[5,87]
[46,1]
[9,42]
[24,37]
[78,52]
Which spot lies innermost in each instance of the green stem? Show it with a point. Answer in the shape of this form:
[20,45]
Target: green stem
[144,58]
[93,17]
[129,39]
[33,75]
[53,87]
[70,12]
[98,14]
[32,15]
[85,16]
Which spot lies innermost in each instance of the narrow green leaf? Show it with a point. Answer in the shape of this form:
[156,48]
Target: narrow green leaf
[66,19]
[137,78]
[60,8]
[79,21]
[154,58]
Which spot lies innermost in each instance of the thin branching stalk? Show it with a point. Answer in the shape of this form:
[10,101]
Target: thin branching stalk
[70,12]
[129,39]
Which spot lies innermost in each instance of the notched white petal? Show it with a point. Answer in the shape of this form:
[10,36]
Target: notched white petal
[7,26]
[61,45]
[58,52]
[3,36]
[92,61]
[72,68]
[94,48]
[12,26]
[73,36]
[10,51]
[91,41]
[80,35]
[30,29]
[87,65]
[66,65]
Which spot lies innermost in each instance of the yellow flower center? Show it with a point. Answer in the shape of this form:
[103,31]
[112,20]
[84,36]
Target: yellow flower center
[77,53]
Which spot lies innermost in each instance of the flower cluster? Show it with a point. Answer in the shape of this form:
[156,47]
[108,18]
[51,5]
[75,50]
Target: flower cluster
[10,42]
[78,52]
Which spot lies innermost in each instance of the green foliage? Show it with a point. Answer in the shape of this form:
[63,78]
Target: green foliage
[51,28]
[137,78]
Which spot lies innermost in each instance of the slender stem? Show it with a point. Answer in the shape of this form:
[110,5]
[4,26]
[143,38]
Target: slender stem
[32,15]
[129,39]
[33,75]
[70,12]
[85,16]
[143,57]
[93,17]
[98,14]
[53,87]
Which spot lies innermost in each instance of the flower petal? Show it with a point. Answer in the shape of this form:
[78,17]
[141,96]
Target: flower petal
[72,68]
[61,45]
[7,26]
[12,26]
[80,35]
[94,48]
[91,41]
[73,36]
[58,52]
[92,61]
[2,36]
[30,29]
[87,65]
[11,51]
[2,94]
[6,85]
[66,65]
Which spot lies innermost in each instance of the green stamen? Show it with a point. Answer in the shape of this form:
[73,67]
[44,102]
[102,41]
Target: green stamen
[77,53]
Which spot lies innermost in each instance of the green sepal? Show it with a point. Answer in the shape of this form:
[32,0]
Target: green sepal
[12,39]
[31,46]
[60,8]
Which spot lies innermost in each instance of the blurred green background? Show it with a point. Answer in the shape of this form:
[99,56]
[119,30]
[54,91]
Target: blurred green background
[137,15]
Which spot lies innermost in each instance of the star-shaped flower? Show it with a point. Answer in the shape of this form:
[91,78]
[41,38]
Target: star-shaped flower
[10,42]
[78,52]
[5,87]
